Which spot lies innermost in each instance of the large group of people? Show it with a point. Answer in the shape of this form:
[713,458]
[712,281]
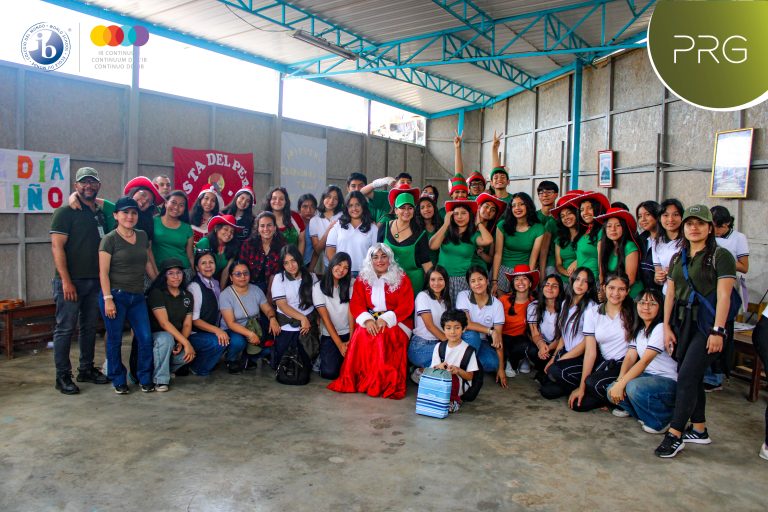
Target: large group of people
[607,308]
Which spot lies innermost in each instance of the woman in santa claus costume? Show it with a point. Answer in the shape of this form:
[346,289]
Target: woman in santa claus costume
[382,308]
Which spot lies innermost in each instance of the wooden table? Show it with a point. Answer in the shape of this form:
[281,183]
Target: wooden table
[743,344]
[40,308]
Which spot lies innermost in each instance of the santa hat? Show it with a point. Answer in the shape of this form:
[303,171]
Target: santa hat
[247,190]
[215,192]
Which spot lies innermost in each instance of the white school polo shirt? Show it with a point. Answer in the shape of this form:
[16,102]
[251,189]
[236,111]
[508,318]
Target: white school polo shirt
[735,242]
[426,304]
[317,226]
[289,290]
[338,312]
[353,242]
[662,365]
[572,338]
[548,321]
[608,332]
[492,314]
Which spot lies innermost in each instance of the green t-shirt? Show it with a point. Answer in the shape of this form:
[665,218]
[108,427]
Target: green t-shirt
[517,248]
[126,268]
[177,308]
[219,258]
[586,253]
[82,246]
[567,255]
[550,226]
[457,258]
[109,215]
[171,243]
[613,262]
[705,283]
[379,205]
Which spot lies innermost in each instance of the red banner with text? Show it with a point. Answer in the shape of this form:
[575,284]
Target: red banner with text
[196,169]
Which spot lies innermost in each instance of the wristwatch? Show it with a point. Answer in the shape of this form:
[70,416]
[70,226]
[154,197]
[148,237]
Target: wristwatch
[718,331]
[490,331]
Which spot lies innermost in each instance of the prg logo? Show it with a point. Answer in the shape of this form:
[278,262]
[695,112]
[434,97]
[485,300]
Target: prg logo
[119,36]
[45,46]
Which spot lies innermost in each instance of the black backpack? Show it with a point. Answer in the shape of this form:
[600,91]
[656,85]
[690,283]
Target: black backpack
[470,389]
[294,367]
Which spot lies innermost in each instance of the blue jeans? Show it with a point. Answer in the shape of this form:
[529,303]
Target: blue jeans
[330,357]
[420,351]
[237,343]
[165,361]
[85,309]
[486,354]
[712,378]
[133,307]
[207,352]
[650,399]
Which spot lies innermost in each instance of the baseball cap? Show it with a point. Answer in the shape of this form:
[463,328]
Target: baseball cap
[699,211]
[87,172]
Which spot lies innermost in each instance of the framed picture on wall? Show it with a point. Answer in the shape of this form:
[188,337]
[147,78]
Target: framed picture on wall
[730,165]
[605,168]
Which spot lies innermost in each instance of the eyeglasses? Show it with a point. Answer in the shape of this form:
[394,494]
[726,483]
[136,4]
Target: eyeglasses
[648,303]
[242,273]
[546,192]
[89,181]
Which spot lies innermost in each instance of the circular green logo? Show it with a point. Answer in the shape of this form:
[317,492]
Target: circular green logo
[712,54]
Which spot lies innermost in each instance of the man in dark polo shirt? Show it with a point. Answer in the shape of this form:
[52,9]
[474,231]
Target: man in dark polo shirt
[75,237]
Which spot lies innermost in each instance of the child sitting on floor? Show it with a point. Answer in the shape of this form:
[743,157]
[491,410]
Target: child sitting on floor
[453,323]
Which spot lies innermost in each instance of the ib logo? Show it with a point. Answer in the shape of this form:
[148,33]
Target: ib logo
[119,36]
[711,54]
[45,46]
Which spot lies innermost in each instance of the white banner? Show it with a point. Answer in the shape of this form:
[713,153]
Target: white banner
[302,165]
[32,182]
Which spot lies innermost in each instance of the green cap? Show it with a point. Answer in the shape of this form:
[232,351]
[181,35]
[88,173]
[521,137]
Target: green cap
[87,172]
[404,199]
[699,211]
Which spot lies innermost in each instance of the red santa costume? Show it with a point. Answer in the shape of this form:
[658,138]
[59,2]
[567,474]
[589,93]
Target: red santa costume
[377,365]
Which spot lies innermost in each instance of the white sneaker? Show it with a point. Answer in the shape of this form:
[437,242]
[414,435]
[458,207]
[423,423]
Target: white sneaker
[509,372]
[619,412]
[525,367]
[161,388]
[416,375]
[648,429]
[764,452]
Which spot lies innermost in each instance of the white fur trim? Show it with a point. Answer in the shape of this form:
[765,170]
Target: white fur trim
[362,318]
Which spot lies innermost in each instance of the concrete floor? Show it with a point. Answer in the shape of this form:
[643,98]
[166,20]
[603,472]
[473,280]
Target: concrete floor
[244,442]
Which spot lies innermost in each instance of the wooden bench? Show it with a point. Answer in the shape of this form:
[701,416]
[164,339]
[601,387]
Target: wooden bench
[42,331]
[743,344]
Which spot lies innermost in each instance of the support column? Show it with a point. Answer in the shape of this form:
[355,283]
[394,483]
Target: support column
[277,141]
[131,167]
[576,142]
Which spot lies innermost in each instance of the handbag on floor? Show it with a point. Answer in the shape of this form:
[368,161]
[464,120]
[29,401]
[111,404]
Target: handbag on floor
[434,395]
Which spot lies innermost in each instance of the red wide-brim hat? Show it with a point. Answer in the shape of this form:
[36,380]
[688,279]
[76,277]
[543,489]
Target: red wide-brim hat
[223,220]
[619,213]
[485,197]
[403,188]
[523,270]
[565,200]
[470,205]
[144,182]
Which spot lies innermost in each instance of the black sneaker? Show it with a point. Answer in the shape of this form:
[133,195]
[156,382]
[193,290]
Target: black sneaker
[122,389]
[147,388]
[708,388]
[65,385]
[93,376]
[669,446]
[693,437]
[234,367]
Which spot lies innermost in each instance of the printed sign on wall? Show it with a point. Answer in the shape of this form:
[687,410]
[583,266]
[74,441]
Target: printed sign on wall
[195,169]
[302,166]
[32,182]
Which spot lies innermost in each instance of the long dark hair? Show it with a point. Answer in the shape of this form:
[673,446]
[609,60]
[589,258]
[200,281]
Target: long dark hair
[434,192]
[639,325]
[564,233]
[628,308]
[328,191]
[590,296]
[477,269]
[513,295]
[161,282]
[608,246]
[184,217]
[230,249]
[231,209]
[196,215]
[541,301]
[510,221]
[437,221]
[663,236]
[710,246]
[453,235]
[366,218]
[277,237]
[445,295]
[286,211]
[326,285]
[651,207]
[305,288]
[597,209]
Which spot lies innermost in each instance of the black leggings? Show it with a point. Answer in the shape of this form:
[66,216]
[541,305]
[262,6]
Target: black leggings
[515,349]
[562,377]
[760,339]
[597,383]
[692,363]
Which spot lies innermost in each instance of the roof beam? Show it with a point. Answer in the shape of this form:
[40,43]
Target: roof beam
[471,16]
[282,13]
